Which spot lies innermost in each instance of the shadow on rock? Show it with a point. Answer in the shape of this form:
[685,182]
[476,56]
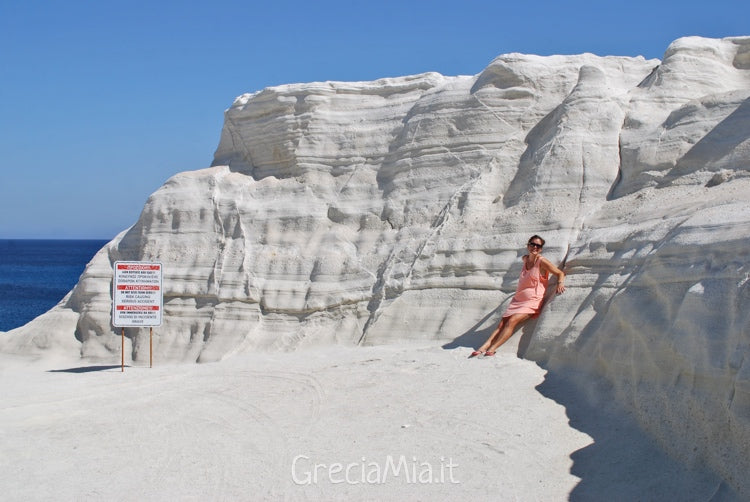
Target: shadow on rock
[88,369]
[623,463]
[476,335]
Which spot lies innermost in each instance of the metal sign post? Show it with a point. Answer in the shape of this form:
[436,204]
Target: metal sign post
[137,299]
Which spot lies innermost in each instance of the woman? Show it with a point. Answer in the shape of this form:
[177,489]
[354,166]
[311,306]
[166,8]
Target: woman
[527,302]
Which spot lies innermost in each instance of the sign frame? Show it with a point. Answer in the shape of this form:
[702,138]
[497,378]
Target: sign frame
[137,294]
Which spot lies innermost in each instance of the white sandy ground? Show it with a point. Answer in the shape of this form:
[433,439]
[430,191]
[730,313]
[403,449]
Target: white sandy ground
[406,422]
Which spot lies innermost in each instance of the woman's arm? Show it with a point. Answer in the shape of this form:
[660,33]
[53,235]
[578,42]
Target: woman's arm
[556,271]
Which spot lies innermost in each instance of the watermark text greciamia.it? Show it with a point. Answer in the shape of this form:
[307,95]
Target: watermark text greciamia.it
[402,468]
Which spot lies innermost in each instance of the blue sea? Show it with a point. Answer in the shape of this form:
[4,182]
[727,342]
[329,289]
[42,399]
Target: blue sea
[36,274]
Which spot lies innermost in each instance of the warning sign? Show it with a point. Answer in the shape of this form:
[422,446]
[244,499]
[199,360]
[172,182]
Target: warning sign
[137,296]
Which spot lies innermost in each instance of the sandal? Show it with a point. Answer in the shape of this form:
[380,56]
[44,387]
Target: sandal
[476,353]
[489,353]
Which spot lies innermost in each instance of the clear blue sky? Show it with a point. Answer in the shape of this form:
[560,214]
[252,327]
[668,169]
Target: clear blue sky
[101,101]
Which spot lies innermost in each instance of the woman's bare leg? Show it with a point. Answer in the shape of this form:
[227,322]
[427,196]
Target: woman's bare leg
[493,337]
[505,330]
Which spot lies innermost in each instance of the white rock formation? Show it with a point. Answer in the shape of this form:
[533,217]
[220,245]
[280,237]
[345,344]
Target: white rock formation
[381,211]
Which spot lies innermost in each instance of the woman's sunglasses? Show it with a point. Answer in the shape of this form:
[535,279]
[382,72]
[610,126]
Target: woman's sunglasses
[535,245]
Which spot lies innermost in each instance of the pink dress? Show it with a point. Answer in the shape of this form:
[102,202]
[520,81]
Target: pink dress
[530,291]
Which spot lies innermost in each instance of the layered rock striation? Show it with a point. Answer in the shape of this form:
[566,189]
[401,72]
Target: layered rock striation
[372,212]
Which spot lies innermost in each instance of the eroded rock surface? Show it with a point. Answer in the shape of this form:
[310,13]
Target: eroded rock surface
[397,209]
